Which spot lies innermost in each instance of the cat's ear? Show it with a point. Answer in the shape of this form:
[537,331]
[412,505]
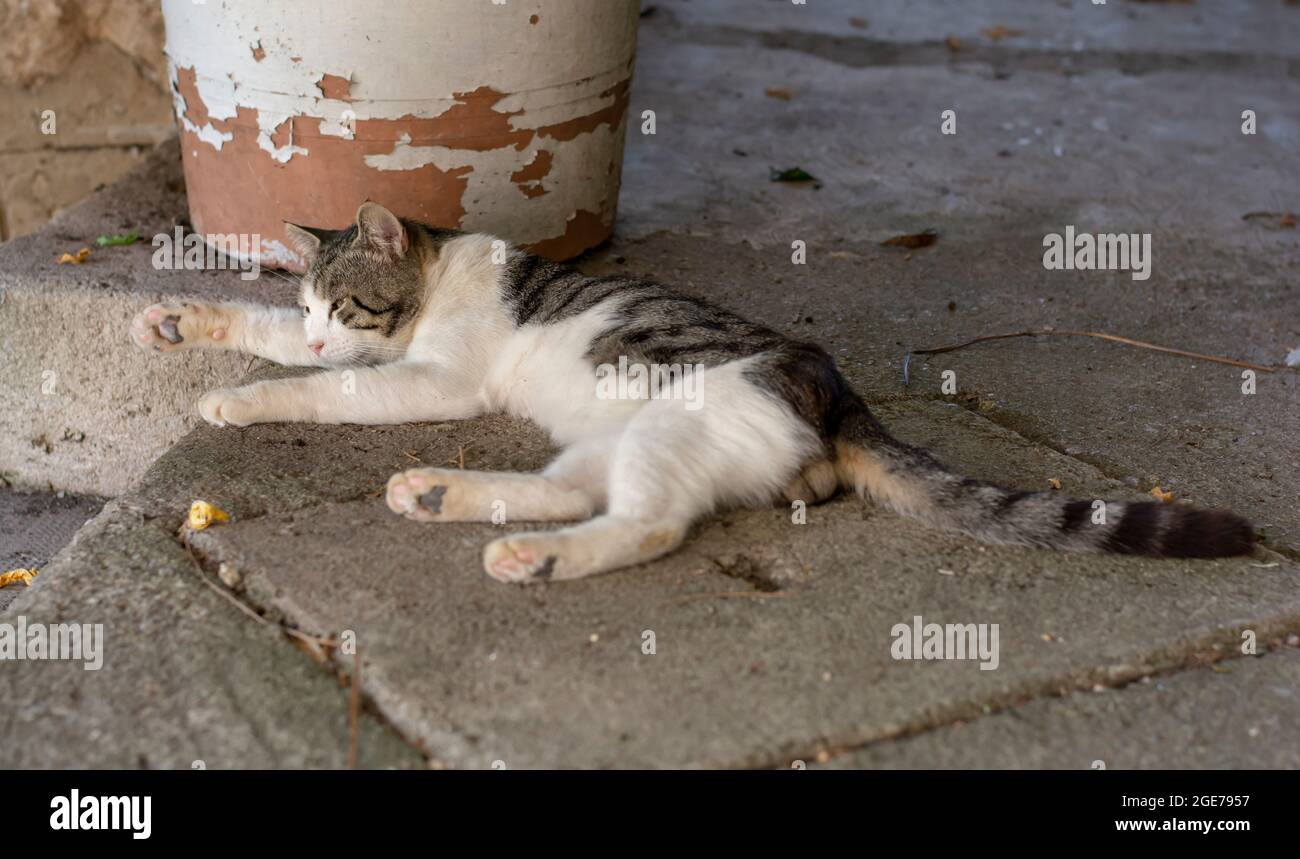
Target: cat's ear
[307,240]
[380,229]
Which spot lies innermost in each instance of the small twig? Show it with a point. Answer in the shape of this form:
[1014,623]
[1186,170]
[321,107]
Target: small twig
[220,591]
[314,641]
[729,594]
[460,457]
[239,604]
[1112,337]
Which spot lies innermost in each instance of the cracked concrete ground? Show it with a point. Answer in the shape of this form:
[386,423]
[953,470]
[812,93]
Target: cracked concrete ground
[772,640]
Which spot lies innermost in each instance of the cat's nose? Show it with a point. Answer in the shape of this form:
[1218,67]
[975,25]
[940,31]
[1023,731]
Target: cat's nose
[316,347]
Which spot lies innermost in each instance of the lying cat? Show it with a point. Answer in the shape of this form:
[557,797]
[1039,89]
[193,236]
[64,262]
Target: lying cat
[442,325]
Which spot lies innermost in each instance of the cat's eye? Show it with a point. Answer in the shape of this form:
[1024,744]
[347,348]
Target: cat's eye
[305,309]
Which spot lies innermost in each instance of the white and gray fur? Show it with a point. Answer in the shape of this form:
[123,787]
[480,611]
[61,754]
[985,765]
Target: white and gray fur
[431,328]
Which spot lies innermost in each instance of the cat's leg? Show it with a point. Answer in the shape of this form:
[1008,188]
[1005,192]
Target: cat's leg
[571,488]
[817,482]
[671,466]
[274,333]
[602,544]
[388,394]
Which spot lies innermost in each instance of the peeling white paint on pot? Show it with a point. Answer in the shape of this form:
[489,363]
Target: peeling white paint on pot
[507,118]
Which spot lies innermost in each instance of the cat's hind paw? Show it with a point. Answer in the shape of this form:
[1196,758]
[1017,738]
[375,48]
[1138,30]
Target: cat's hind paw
[525,559]
[428,495]
[170,327]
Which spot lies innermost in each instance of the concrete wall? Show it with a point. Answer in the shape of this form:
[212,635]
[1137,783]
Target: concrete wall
[98,65]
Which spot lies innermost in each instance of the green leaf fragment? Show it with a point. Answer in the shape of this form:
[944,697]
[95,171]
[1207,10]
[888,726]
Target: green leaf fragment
[792,174]
[114,241]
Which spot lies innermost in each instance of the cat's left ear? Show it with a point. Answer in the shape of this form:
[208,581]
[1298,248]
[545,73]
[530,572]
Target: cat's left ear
[381,230]
[307,240]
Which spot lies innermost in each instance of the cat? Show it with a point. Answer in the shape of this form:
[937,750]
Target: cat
[440,325]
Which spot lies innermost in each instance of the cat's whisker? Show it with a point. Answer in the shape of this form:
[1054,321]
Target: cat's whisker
[286,278]
[381,347]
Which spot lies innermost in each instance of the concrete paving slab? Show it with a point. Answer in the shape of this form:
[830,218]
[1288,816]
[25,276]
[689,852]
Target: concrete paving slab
[1131,130]
[185,676]
[1242,714]
[754,609]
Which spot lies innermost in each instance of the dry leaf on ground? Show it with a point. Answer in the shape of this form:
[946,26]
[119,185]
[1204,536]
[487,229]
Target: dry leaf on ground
[1000,32]
[1166,497]
[912,240]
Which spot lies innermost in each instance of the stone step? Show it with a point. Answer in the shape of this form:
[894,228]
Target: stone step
[184,676]
[82,408]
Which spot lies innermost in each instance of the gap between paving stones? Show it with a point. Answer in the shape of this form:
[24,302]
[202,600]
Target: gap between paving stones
[324,655]
[866,52]
[1205,653]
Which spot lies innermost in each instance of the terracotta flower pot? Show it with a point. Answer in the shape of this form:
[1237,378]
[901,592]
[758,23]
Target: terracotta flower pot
[507,118]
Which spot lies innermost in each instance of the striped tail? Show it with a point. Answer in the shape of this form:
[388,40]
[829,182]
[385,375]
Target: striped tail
[910,481]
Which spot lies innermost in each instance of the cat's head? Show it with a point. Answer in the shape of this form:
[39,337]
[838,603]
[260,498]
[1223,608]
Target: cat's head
[363,287]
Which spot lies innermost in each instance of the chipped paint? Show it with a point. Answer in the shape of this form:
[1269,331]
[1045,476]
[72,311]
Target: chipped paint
[279,143]
[323,112]
[335,87]
[528,179]
[197,123]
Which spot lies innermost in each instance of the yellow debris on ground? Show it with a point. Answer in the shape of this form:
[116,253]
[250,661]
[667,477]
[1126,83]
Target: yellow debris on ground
[76,259]
[19,575]
[1166,497]
[203,514]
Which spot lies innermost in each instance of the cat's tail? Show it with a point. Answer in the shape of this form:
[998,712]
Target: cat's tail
[910,481]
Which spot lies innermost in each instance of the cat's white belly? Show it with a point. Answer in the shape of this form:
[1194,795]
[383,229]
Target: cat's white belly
[543,374]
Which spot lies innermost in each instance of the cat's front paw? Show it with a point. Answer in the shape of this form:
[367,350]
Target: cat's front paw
[233,406]
[169,327]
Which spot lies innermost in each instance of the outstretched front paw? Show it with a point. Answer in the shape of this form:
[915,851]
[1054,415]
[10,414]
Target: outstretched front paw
[169,327]
[234,406]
